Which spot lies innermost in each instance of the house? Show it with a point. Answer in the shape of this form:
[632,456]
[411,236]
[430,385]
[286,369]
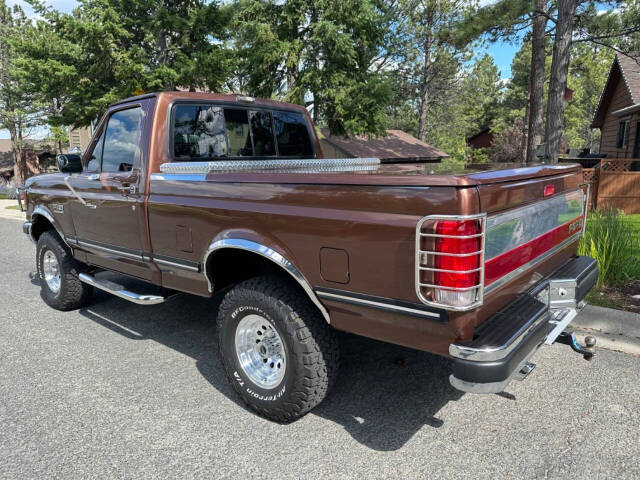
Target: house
[6,159]
[618,113]
[482,139]
[395,146]
[40,155]
[79,137]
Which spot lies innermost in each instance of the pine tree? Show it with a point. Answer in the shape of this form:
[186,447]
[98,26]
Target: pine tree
[108,50]
[326,54]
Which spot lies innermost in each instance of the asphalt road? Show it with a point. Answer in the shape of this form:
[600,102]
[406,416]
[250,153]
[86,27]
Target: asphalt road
[123,391]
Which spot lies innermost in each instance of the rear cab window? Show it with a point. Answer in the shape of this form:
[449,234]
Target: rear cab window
[206,131]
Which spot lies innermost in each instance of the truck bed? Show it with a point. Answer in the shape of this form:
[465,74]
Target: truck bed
[418,174]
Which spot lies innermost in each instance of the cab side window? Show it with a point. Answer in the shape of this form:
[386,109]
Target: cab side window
[121,140]
[95,159]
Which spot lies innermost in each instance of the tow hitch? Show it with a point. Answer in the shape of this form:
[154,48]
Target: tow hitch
[588,350]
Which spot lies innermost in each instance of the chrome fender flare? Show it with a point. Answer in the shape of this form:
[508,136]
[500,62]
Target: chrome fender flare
[41,210]
[269,253]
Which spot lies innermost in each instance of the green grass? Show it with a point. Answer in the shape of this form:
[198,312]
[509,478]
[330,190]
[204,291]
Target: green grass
[12,207]
[596,297]
[3,196]
[613,239]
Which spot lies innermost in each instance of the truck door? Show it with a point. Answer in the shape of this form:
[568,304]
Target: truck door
[108,210]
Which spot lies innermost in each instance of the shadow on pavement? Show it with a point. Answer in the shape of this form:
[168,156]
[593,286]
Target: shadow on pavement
[383,396]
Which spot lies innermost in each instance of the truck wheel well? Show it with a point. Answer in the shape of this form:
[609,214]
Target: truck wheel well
[229,266]
[39,226]
[232,260]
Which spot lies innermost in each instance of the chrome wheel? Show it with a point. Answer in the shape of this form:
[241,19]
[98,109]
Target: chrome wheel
[260,351]
[51,271]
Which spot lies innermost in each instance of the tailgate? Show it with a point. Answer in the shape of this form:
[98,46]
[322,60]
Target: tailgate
[528,221]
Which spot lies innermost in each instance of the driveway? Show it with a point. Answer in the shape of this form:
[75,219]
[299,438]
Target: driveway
[123,391]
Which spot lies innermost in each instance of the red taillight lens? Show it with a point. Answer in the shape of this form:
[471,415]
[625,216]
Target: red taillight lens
[549,190]
[450,261]
[467,244]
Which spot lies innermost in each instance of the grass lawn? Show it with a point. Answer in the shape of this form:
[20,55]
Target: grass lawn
[12,207]
[3,196]
[619,296]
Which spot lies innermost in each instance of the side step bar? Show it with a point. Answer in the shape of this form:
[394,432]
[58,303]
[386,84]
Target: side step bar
[119,291]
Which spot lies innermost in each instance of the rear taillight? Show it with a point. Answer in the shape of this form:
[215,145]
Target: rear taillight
[549,190]
[466,268]
[451,261]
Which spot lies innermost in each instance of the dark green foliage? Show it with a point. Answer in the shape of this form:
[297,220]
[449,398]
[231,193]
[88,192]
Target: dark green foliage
[500,19]
[109,49]
[322,53]
[360,66]
[611,240]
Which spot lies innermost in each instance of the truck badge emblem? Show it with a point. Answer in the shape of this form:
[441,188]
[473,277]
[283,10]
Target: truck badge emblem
[577,225]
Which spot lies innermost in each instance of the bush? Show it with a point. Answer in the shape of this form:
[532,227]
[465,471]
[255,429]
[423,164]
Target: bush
[7,189]
[507,145]
[609,239]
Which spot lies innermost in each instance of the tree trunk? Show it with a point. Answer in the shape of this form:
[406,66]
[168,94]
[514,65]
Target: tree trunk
[558,81]
[536,83]
[426,79]
[19,161]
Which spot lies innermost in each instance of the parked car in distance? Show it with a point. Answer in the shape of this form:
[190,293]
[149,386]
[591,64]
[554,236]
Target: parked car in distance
[203,193]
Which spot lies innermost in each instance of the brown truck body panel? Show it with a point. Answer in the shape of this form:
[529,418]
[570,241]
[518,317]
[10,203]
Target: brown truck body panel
[354,232]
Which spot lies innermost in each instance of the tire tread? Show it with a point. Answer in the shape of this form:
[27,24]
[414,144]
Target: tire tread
[319,352]
[74,293]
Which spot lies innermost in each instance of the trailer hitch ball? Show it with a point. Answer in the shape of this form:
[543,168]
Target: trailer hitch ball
[587,351]
[589,347]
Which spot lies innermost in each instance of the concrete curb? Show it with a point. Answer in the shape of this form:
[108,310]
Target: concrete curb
[614,329]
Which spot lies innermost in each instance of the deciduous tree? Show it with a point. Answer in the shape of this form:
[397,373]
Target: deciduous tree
[20,112]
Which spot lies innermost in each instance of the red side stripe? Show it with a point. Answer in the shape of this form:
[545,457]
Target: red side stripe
[509,261]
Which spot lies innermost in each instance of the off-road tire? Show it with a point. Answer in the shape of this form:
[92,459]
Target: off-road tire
[72,293]
[310,344]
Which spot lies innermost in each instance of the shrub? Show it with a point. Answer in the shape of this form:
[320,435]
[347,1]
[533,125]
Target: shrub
[610,241]
[7,189]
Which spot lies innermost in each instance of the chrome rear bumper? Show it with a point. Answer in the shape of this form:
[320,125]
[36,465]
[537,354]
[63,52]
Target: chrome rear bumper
[504,343]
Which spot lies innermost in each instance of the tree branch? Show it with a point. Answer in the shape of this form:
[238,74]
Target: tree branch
[545,14]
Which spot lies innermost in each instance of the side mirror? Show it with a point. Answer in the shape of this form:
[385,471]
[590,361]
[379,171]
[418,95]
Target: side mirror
[69,163]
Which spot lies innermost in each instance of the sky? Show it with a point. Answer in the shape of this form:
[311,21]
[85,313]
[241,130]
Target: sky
[502,52]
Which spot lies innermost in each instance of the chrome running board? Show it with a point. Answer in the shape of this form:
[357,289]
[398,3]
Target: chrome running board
[119,291]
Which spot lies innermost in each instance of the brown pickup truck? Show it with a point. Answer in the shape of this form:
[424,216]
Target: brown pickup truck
[217,194]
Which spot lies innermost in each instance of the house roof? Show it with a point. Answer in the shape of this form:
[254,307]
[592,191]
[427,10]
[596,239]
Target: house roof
[396,144]
[627,69]
[481,132]
[630,67]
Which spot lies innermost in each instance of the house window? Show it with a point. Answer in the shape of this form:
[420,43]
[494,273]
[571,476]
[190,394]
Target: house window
[623,133]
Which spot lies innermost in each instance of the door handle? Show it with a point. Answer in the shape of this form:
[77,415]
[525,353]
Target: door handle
[90,205]
[127,189]
[93,176]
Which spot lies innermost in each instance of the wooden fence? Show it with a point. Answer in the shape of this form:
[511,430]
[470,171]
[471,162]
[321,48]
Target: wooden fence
[615,183]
